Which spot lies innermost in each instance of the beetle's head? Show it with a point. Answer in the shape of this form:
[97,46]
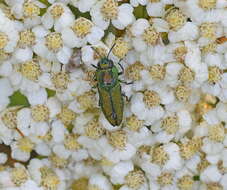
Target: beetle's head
[105,63]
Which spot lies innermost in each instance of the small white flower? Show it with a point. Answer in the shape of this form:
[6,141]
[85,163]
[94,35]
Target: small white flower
[52,46]
[83,5]
[8,34]
[188,32]
[57,15]
[149,113]
[211,174]
[22,148]
[81,32]
[27,10]
[108,10]
[100,181]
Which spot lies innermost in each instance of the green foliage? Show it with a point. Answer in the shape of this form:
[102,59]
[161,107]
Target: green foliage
[18,99]
[140,12]
[196,178]
[78,14]
[50,93]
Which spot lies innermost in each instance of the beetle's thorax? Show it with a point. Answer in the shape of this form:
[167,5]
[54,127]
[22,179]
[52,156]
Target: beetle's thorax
[105,63]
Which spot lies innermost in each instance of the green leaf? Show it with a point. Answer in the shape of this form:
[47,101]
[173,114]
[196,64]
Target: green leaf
[18,99]
[140,12]
[45,2]
[196,178]
[50,93]
[165,38]
[77,13]
[70,128]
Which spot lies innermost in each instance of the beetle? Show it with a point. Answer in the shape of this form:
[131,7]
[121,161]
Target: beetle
[109,89]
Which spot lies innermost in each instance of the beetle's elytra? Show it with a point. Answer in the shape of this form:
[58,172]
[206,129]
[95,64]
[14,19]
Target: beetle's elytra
[109,89]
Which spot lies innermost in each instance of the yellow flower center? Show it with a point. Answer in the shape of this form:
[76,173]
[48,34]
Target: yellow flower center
[7,11]
[209,48]
[144,149]
[188,149]
[25,144]
[216,132]
[214,186]
[185,183]
[3,40]
[87,100]
[157,72]
[214,74]
[121,48]
[27,38]
[180,53]
[117,139]
[57,161]
[66,116]
[135,179]
[56,11]
[80,184]
[93,187]
[207,4]
[19,176]
[60,80]
[110,9]
[203,165]
[170,124]
[150,35]
[94,129]
[3,55]
[159,155]
[133,123]
[54,41]
[175,18]
[151,98]
[71,143]
[165,178]
[82,27]
[49,180]
[9,118]
[208,30]
[182,93]
[105,162]
[30,70]
[40,113]
[31,10]
[186,75]
[133,71]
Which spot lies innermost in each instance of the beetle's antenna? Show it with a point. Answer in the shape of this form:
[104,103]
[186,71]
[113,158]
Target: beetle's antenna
[119,63]
[96,51]
[111,49]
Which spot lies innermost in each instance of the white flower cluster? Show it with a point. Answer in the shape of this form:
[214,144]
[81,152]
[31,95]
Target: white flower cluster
[53,134]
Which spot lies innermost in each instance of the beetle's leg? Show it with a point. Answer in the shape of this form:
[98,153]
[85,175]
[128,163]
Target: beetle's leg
[126,97]
[94,78]
[94,66]
[127,83]
[122,68]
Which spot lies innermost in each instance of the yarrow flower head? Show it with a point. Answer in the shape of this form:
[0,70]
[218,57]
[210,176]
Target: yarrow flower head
[106,10]
[58,16]
[50,45]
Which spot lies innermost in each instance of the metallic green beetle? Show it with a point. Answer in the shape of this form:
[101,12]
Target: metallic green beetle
[109,88]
